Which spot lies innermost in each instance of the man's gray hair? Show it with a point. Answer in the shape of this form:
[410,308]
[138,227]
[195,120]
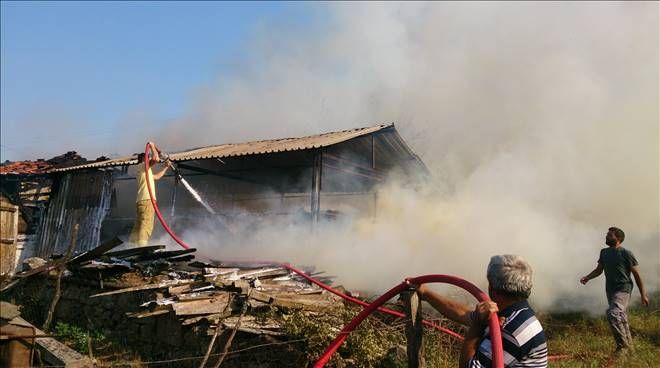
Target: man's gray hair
[510,274]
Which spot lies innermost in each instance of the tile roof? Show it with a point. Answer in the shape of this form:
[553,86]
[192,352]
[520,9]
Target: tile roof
[41,166]
[25,167]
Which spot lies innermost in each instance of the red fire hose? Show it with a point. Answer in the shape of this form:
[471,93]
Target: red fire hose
[365,304]
[494,324]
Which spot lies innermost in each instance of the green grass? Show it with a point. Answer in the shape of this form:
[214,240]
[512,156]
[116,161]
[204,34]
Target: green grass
[582,340]
[588,341]
[78,337]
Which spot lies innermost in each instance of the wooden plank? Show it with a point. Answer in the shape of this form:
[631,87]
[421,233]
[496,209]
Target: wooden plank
[179,289]
[317,172]
[262,297]
[161,285]
[213,318]
[8,231]
[96,252]
[47,267]
[199,264]
[185,258]
[157,312]
[412,304]
[241,285]
[263,273]
[60,272]
[219,304]
[256,331]
[94,265]
[164,254]
[134,251]
[297,303]
[219,271]
[8,311]
[199,295]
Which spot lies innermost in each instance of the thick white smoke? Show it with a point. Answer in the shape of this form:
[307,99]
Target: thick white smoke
[538,120]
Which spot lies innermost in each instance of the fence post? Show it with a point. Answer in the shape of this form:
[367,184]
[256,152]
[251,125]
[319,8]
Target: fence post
[412,304]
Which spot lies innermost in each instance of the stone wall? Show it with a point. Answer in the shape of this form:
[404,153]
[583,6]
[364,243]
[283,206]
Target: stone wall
[157,337]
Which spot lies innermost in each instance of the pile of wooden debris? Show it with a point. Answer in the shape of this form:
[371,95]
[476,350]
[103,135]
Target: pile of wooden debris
[209,291]
[164,303]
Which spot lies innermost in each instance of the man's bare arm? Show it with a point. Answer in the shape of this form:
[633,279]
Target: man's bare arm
[470,344]
[640,284]
[595,273]
[155,153]
[455,311]
[160,173]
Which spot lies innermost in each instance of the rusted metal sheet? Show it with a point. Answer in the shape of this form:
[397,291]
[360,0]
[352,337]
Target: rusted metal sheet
[248,148]
[82,198]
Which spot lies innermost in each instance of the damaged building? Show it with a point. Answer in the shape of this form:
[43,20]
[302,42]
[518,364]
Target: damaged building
[25,188]
[304,179]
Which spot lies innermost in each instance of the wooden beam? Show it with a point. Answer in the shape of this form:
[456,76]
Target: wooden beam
[162,285]
[219,304]
[373,152]
[317,169]
[134,251]
[96,252]
[412,304]
[60,272]
[164,254]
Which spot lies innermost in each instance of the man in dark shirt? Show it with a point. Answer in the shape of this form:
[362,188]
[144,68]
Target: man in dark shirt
[618,263]
[509,286]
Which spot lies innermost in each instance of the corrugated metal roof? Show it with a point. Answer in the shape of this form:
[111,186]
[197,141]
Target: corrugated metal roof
[247,148]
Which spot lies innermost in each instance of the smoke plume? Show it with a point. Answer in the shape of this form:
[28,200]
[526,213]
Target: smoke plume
[539,122]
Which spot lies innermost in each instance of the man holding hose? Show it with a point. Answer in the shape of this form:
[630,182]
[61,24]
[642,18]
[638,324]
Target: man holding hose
[144,218]
[509,286]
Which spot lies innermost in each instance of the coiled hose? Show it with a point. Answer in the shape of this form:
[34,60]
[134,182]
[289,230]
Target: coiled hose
[493,322]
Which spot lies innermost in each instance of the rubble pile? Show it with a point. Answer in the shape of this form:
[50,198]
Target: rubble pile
[166,304]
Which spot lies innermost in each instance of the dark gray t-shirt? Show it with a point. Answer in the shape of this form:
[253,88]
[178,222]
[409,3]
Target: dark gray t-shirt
[617,263]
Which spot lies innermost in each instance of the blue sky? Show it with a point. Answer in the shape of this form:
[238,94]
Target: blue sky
[97,62]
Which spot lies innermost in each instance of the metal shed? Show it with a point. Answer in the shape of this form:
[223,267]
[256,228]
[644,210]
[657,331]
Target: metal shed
[315,177]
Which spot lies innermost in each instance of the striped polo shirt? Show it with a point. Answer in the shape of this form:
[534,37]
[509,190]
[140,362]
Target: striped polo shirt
[523,340]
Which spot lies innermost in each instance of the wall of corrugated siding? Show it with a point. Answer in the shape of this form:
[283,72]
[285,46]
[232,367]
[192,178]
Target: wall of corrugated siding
[83,198]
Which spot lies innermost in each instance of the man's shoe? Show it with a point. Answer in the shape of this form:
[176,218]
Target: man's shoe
[621,351]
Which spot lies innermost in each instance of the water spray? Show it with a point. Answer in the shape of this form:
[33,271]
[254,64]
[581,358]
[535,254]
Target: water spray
[192,190]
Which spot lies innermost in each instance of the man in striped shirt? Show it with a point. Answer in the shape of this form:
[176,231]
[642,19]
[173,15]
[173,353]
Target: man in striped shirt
[509,286]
